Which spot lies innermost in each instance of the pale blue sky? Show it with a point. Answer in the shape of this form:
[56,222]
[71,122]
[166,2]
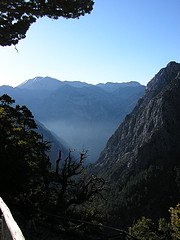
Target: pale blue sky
[121,40]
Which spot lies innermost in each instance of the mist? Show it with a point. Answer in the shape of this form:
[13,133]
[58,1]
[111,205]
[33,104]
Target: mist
[83,136]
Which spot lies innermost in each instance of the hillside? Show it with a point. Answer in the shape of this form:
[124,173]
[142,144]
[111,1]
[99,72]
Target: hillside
[141,159]
[84,115]
[55,142]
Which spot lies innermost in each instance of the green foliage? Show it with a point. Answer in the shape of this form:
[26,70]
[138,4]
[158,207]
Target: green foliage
[29,185]
[146,229]
[139,193]
[22,156]
[175,221]
[164,229]
[17,16]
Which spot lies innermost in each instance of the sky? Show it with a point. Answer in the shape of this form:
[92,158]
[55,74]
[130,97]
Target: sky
[120,41]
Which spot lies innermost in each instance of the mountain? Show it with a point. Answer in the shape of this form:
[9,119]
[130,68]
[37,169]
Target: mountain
[40,83]
[55,142]
[84,115]
[111,86]
[141,161]
[48,83]
[77,84]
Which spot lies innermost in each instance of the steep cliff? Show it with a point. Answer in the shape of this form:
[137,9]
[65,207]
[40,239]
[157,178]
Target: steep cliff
[141,161]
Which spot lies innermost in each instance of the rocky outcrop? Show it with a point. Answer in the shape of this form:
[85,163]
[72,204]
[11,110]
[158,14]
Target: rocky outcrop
[141,159]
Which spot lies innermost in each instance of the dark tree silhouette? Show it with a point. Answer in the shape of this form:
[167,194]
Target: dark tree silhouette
[72,184]
[22,156]
[17,16]
[27,181]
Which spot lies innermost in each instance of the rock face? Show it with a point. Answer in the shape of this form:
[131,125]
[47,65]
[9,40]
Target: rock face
[141,160]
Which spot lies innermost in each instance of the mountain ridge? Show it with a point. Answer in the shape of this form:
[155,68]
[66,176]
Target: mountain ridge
[57,144]
[84,115]
[40,83]
[54,83]
[148,98]
[141,159]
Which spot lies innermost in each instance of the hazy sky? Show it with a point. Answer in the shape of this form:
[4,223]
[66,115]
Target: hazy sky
[121,40]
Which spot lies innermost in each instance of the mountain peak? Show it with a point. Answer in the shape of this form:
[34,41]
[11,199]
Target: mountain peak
[140,159]
[164,77]
[112,86]
[41,83]
[172,64]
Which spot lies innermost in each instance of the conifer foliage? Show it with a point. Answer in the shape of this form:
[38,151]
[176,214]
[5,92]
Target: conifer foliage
[27,183]
[23,158]
[17,16]
[147,229]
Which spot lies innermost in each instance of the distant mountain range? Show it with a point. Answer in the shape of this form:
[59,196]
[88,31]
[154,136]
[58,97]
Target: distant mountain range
[141,161]
[82,114]
[48,83]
